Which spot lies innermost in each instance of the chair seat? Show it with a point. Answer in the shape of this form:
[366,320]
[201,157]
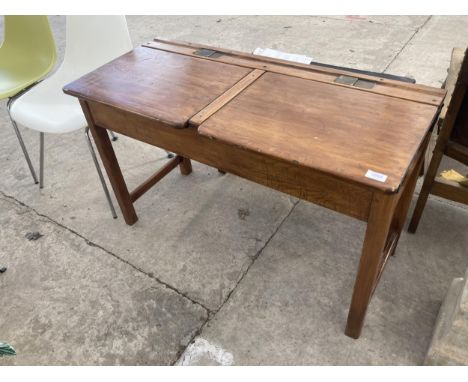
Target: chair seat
[47,109]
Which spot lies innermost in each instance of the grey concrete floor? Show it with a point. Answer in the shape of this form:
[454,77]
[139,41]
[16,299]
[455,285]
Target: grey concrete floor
[219,270]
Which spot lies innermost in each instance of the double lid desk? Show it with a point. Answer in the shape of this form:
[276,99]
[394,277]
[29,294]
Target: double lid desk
[349,142]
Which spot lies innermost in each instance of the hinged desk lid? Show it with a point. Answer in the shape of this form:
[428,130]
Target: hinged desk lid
[334,129]
[164,86]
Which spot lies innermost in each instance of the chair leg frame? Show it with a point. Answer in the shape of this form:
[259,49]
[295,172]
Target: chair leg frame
[101,177]
[20,138]
[41,160]
[113,136]
[41,152]
[41,155]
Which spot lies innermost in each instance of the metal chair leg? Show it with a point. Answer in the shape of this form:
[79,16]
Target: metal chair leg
[21,142]
[113,136]
[41,160]
[101,177]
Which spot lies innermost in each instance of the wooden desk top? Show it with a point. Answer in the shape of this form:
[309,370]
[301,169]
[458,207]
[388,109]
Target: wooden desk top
[164,86]
[294,112]
[336,130]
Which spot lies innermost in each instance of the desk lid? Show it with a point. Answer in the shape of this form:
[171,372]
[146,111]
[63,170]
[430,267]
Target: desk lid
[365,137]
[160,85]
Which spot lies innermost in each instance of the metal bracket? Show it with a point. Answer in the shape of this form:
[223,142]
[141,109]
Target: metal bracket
[354,81]
[207,53]
[364,84]
[346,80]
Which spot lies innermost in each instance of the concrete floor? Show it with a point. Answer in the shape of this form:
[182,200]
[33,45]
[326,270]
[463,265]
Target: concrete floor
[219,270]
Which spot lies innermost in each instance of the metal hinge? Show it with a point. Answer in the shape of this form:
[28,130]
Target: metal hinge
[354,81]
[207,53]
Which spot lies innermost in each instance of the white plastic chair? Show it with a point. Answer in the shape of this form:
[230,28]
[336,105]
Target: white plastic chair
[91,41]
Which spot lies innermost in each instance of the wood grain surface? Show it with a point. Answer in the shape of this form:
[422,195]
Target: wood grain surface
[332,129]
[223,99]
[305,183]
[164,86]
[393,88]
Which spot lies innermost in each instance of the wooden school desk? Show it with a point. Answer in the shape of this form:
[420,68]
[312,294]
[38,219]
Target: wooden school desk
[349,142]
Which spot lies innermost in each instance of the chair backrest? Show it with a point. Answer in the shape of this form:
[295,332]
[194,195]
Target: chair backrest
[30,39]
[456,94]
[92,41]
[460,129]
[456,60]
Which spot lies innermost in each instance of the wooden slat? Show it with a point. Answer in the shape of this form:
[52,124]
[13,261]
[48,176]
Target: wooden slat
[455,64]
[458,152]
[308,67]
[392,88]
[450,190]
[223,99]
[155,178]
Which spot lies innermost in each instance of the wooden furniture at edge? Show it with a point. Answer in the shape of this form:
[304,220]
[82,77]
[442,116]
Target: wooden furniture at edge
[309,131]
[452,140]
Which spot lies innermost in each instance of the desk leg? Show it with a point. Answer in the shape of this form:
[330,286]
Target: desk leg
[109,160]
[370,264]
[185,166]
[404,203]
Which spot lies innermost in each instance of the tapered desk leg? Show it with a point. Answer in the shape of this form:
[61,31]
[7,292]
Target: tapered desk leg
[378,227]
[109,160]
[185,166]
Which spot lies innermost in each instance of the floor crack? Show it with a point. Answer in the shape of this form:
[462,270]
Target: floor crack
[406,43]
[259,252]
[91,243]
[212,314]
